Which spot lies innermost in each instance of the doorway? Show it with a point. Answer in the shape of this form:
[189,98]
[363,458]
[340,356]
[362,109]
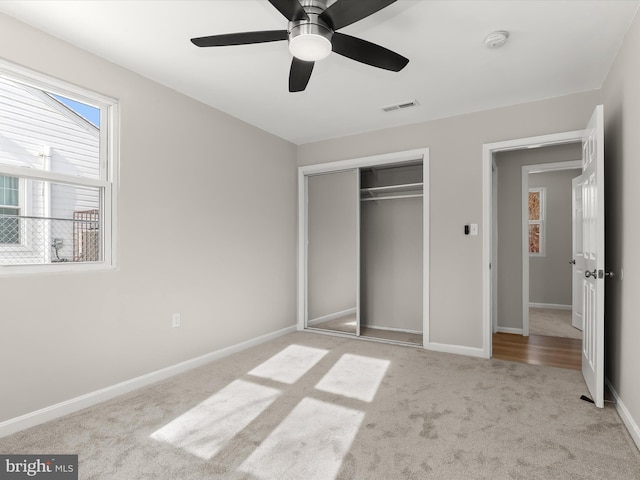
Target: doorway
[490,260]
[549,232]
[532,243]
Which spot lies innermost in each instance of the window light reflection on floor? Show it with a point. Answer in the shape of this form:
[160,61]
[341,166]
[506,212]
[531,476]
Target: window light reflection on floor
[205,429]
[290,364]
[310,443]
[355,376]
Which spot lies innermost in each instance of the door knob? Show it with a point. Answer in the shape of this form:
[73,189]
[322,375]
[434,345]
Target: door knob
[572,262]
[593,274]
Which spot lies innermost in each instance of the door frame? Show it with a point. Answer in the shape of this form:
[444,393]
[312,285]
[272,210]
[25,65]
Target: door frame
[350,164]
[526,170]
[489,275]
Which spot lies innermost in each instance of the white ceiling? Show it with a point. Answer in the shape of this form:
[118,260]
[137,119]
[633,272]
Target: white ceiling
[555,48]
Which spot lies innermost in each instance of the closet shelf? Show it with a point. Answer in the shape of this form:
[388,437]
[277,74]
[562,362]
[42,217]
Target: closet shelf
[389,192]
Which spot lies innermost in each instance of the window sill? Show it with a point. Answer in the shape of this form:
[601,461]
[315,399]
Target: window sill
[62,267]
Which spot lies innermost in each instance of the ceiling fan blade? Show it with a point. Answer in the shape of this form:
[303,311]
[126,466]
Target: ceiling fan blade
[346,12]
[299,75]
[291,9]
[242,38]
[367,52]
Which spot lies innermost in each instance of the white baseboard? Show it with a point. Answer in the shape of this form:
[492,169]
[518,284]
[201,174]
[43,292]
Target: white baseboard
[392,329]
[516,331]
[331,316]
[83,401]
[457,349]
[553,306]
[625,415]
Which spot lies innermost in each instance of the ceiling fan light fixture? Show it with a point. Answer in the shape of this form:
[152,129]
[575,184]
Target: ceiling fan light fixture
[310,41]
[310,47]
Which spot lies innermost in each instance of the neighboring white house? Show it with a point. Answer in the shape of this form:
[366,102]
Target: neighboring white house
[43,221]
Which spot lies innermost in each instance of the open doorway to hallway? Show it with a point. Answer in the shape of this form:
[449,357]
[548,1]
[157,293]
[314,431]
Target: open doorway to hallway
[533,252]
[588,221]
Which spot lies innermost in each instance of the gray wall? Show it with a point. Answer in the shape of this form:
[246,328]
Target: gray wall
[332,232]
[219,249]
[550,275]
[456,193]
[509,306]
[621,98]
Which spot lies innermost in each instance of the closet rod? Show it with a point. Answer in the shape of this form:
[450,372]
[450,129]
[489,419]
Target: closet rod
[390,197]
[401,186]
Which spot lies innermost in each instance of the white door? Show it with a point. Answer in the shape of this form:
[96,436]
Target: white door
[591,282]
[577,320]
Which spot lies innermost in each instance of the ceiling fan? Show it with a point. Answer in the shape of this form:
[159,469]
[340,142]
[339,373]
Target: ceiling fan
[312,36]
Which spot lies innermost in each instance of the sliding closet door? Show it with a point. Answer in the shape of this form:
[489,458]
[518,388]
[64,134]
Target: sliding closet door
[333,251]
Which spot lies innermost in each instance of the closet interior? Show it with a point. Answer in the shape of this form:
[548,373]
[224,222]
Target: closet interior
[364,252]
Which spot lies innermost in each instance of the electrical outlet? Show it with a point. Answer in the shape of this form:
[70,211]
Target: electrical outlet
[175,320]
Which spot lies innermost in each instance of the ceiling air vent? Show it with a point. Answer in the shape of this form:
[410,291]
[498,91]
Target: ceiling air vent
[400,106]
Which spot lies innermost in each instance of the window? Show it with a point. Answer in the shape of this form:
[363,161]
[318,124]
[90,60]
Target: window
[9,210]
[536,221]
[57,175]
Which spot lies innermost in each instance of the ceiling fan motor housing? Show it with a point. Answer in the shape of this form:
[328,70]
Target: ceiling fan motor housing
[310,40]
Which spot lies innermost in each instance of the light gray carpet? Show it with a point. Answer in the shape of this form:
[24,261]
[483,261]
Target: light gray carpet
[311,406]
[552,323]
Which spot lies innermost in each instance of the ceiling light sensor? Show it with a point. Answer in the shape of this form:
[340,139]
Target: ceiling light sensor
[496,39]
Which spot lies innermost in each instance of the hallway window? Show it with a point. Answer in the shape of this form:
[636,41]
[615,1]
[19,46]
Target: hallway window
[536,221]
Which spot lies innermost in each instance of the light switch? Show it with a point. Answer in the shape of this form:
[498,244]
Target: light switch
[473,230]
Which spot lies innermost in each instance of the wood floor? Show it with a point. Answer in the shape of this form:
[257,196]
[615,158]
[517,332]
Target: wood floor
[538,350]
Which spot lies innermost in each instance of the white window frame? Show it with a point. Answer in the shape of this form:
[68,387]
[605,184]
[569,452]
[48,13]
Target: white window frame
[108,176]
[542,221]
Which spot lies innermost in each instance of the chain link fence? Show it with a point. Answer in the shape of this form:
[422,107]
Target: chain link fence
[37,240]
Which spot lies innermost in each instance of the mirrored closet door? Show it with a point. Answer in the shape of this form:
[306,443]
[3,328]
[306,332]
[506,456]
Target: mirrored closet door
[333,251]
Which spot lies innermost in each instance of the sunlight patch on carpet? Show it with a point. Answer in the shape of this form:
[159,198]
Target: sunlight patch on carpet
[310,443]
[355,376]
[290,364]
[206,428]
